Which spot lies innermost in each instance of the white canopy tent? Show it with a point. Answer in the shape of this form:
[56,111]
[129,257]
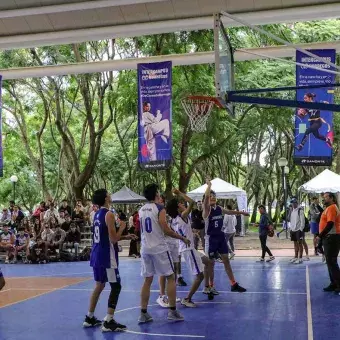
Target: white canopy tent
[224,190]
[327,181]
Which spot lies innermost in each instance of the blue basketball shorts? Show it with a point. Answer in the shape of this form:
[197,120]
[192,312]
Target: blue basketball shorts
[215,245]
[104,275]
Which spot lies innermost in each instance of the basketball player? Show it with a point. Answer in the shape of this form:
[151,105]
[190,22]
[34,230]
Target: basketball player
[215,242]
[179,213]
[104,260]
[152,126]
[155,255]
[315,123]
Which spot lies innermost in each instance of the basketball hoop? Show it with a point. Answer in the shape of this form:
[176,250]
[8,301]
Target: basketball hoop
[198,109]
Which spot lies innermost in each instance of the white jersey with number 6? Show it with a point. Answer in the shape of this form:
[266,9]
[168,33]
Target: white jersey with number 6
[184,229]
[153,240]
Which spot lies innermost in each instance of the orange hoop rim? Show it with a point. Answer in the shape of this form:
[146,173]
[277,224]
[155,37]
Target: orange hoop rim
[205,98]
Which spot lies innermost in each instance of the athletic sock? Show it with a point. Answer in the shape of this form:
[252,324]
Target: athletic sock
[108,317]
[144,311]
[90,314]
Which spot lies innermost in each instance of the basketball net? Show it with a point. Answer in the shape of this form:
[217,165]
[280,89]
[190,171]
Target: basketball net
[198,109]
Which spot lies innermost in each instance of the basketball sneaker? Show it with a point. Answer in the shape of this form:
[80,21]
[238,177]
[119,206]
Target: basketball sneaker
[91,322]
[214,291]
[163,301]
[206,290]
[113,326]
[272,258]
[293,260]
[144,318]
[188,303]
[175,315]
[237,288]
[330,288]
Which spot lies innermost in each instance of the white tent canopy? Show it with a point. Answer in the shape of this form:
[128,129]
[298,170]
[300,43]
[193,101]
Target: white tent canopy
[126,196]
[224,190]
[327,181]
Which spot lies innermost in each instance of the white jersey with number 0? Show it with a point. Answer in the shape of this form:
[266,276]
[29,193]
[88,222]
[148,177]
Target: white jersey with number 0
[184,229]
[152,237]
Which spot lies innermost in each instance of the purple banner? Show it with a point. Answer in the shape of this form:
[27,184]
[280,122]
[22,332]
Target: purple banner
[314,128]
[1,155]
[155,115]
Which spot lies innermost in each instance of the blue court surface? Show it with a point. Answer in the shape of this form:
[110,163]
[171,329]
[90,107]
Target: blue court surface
[284,301]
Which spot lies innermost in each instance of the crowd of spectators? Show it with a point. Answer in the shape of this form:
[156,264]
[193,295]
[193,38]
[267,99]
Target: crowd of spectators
[50,233]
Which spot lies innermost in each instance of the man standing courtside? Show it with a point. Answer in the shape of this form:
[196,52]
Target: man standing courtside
[329,232]
[297,235]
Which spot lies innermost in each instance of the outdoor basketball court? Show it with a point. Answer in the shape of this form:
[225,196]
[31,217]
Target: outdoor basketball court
[283,301]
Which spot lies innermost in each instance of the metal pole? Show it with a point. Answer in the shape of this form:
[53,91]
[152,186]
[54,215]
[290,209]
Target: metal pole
[14,192]
[285,194]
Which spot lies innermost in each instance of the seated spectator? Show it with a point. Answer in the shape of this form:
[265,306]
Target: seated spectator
[66,225]
[52,212]
[6,216]
[95,208]
[87,211]
[38,252]
[58,238]
[78,216]
[61,217]
[22,245]
[11,206]
[47,234]
[53,222]
[37,227]
[79,203]
[72,239]
[65,208]
[7,240]
[17,216]
[25,224]
[40,209]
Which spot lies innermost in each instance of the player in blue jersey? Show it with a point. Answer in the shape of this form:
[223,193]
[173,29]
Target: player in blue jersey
[155,256]
[104,260]
[215,242]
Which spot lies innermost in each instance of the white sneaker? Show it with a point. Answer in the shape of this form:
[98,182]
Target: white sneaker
[206,290]
[214,291]
[163,301]
[188,303]
[175,315]
[306,258]
[298,261]
[271,259]
[178,299]
[293,260]
[261,259]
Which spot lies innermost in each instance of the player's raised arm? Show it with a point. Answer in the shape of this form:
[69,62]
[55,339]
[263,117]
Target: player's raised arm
[190,201]
[206,201]
[234,212]
[167,230]
[114,235]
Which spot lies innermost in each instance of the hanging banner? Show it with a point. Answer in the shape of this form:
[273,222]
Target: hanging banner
[314,128]
[155,115]
[1,154]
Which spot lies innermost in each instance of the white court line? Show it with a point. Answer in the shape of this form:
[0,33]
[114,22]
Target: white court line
[309,307]
[167,335]
[5,290]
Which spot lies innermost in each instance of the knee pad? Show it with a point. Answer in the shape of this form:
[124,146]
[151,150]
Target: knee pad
[114,295]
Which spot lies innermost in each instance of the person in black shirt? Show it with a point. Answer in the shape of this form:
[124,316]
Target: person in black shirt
[315,123]
[198,225]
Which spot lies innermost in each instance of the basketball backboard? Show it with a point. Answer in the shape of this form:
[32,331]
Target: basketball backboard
[224,63]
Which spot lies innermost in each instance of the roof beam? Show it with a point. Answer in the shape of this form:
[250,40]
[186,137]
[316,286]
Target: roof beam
[68,7]
[157,27]
[177,59]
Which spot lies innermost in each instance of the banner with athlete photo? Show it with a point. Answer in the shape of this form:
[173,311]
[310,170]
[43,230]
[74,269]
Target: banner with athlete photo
[1,153]
[314,128]
[155,115]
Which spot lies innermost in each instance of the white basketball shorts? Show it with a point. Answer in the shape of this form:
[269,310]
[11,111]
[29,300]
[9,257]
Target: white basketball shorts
[193,259]
[157,264]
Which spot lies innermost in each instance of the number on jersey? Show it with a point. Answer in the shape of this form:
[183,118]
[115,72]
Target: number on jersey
[147,225]
[96,234]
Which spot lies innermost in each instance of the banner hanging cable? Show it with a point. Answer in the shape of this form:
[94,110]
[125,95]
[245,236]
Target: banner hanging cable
[278,39]
[287,61]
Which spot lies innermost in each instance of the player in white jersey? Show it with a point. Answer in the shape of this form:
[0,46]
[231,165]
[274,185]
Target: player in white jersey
[155,255]
[176,208]
[172,243]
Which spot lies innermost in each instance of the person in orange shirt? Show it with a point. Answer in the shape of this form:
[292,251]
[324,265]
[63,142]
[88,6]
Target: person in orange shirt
[329,232]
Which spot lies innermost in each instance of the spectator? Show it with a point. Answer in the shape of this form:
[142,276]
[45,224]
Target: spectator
[40,209]
[7,240]
[72,239]
[136,225]
[79,203]
[330,234]
[133,252]
[22,245]
[78,216]
[37,229]
[95,208]
[65,208]
[66,225]
[315,211]
[38,252]
[87,211]
[6,216]
[197,223]
[11,206]
[229,224]
[297,224]
[52,212]
[17,216]
[58,238]
[47,235]
[264,226]
[61,217]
